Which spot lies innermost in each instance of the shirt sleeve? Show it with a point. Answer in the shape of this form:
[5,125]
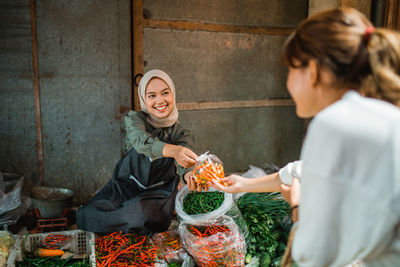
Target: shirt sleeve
[138,138]
[186,139]
[290,171]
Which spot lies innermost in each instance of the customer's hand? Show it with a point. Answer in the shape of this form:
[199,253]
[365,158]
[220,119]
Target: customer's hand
[231,184]
[292,193]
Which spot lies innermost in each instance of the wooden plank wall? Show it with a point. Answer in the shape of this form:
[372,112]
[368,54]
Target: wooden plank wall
[224,59]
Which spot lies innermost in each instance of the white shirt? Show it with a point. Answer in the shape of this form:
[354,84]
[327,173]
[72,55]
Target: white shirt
[290,171]
[350,186]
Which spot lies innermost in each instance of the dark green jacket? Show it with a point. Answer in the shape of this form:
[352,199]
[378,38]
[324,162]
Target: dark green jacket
[149,141]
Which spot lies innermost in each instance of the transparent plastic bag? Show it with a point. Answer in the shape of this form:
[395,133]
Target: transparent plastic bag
[214,243]
[170,246]
[212,215]
[208,168]
[227,208]
[12,204]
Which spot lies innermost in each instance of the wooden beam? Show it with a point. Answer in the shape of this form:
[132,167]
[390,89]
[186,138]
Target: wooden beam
[199,26]
[138,49]
[36,91]
[391,16]
[235,104]
[397,22]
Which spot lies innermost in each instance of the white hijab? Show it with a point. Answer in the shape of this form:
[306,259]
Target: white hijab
[173,116]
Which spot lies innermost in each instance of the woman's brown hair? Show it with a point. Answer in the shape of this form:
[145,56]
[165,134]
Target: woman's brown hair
[343,41]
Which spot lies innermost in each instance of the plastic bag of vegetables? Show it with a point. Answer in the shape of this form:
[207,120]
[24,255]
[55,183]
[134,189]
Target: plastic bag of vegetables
[214,243]
[208,168]
[195,207]
[171,248]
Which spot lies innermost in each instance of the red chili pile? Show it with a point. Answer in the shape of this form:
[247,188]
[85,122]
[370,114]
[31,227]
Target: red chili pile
[54,241]
[118,249]
[217,246]
[207,231]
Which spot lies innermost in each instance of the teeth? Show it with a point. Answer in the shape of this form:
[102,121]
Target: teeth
[160,108]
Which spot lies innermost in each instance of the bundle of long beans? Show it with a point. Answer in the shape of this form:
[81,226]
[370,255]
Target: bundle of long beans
[202,202]
[31,261]
[118,249]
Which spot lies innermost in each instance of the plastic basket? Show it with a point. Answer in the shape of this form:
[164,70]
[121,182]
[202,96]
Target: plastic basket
[81,243]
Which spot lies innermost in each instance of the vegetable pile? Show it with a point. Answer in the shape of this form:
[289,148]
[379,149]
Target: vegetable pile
[268,218]
[118,249]
[54,241]
[202,202]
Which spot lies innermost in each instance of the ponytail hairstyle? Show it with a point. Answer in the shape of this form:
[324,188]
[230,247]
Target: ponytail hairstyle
[343,41]
[384,58]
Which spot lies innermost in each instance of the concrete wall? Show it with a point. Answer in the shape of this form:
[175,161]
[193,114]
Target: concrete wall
[84,67]
[217,66]
[17,116]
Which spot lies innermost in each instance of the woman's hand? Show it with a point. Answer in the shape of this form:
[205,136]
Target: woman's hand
[191,183]
[183,155]
[233,184]
[292,193]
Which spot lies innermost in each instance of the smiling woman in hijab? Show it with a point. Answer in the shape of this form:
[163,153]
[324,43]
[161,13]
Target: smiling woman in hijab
[141,194]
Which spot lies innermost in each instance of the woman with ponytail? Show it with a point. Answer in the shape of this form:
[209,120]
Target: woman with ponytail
[345,74]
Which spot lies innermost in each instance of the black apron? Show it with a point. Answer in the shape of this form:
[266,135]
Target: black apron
[140,197]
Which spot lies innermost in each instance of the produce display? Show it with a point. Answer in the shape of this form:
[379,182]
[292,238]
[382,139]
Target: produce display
[208,168]
[202,202]
[49,253]
[268,218]
[214,230]
[118,249]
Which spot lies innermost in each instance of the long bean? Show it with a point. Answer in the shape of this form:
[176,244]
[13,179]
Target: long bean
[52,262]
[202,202]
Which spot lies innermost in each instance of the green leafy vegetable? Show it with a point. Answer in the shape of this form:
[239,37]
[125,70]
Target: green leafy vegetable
[268,218]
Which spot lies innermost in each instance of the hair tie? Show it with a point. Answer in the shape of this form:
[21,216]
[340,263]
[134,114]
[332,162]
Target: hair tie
[368,31]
